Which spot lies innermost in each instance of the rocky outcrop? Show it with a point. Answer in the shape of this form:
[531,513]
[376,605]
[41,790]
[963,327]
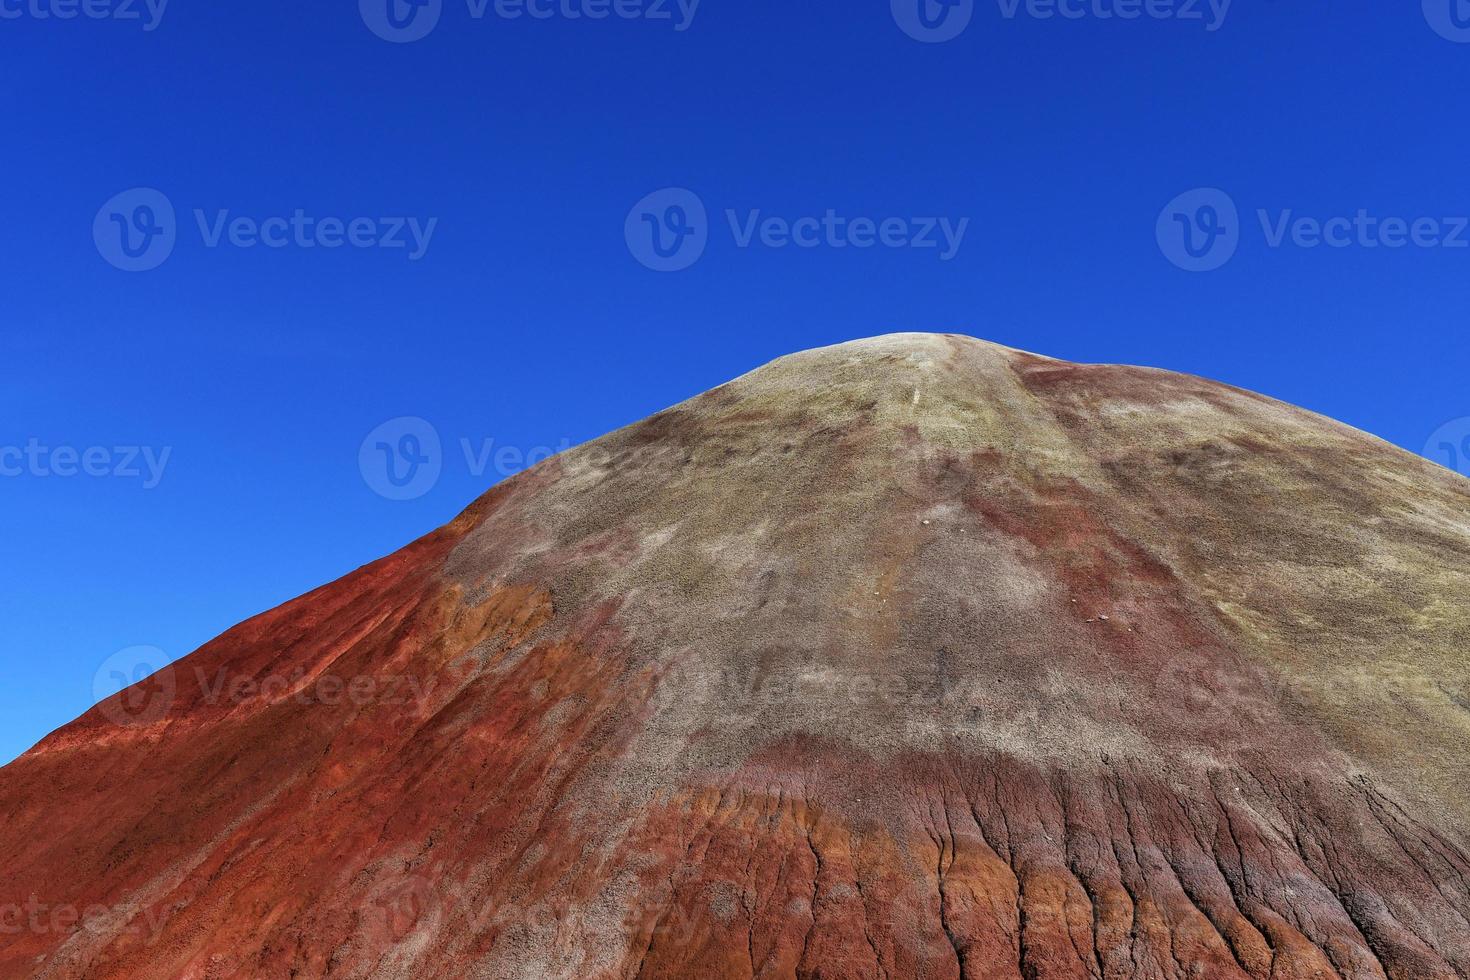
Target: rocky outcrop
[912,657]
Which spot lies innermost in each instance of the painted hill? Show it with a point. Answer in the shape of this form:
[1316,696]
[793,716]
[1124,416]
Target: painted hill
[911,657]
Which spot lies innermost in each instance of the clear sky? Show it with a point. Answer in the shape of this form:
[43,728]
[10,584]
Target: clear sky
[180,446]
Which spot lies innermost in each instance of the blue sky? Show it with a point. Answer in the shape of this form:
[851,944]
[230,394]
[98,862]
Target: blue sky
[461,230]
